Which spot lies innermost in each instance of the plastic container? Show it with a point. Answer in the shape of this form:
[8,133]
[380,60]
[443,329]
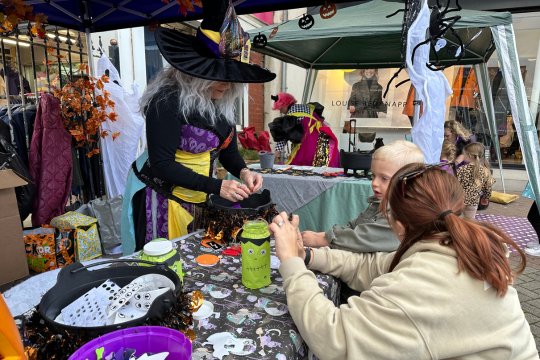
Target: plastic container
[143,339]
[255,239]
[266,159]
[162,250]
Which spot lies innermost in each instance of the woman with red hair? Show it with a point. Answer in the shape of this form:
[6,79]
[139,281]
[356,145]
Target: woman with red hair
[445,293]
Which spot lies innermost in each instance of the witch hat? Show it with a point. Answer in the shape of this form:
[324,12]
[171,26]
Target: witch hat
[219,51]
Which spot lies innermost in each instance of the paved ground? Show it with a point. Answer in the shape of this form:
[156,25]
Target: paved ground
[528,284]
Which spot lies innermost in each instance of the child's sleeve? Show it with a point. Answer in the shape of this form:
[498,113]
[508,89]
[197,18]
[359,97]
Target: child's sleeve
[372,236]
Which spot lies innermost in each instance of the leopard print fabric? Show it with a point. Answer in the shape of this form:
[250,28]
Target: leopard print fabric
[472,189]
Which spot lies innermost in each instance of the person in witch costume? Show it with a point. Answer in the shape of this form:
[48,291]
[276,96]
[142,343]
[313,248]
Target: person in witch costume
[190,124]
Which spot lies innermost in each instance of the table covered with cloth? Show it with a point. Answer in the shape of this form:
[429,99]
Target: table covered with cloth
[320,201]
[259,315]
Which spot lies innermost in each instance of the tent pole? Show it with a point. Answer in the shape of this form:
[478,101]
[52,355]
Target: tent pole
[89,51]
[505,42]
[306,85]
[535,94]
[487,103]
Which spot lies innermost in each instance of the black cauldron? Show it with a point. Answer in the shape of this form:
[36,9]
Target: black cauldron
[75,280]
[355,161]
[253,205]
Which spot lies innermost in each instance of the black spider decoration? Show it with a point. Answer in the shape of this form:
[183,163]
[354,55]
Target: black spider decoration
[439,25]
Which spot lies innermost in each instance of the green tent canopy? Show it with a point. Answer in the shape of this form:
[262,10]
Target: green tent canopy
[361,36]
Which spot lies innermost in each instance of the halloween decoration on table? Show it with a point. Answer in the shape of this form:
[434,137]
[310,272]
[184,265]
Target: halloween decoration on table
[353,159]
[260,40]
[306,22]
[225,343]
[328,10]
[255,239]
[162,250]
[225,218]
[76,280]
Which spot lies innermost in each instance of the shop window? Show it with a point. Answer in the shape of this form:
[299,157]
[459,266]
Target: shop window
[154,60]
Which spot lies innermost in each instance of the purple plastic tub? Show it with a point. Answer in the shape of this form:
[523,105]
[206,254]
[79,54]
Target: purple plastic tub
[144,339]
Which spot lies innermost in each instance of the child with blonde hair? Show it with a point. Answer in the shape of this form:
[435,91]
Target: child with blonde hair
[448,155]
[475,178]
[370,231]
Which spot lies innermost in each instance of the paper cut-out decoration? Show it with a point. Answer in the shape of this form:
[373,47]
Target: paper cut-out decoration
[255,239]
[306,22]
[327,10]
[207,260]
[142,286]
[205,311]
[274,32]
[225,343]
[260,40]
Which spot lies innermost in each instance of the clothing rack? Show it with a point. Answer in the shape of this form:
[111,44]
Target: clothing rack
[67,48]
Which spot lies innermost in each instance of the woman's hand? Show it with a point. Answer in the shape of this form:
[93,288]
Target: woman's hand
[352,109]
[252,179]
[233,191]
[314,239]
[288,239]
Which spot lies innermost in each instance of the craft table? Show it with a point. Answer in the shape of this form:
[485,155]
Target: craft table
[260,315]
[319,201]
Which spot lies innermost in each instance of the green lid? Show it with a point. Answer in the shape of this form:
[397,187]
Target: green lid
[255,229]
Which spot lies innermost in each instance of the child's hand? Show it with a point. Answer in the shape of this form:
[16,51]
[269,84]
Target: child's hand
[314,239]
[286,235]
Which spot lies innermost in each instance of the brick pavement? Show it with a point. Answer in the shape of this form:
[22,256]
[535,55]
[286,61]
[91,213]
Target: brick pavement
[528,284]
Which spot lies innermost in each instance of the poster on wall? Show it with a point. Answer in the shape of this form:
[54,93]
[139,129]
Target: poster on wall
[358,94]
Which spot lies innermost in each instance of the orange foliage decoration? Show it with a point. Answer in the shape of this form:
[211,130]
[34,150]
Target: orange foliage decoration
[186,5]
[15,11]
[85,105]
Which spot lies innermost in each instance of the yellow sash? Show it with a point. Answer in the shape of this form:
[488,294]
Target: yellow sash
[179,218]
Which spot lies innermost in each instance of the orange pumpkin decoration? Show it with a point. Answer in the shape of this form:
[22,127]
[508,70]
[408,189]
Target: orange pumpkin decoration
[327,10]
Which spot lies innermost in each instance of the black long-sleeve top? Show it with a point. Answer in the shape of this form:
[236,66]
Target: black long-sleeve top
[163,129]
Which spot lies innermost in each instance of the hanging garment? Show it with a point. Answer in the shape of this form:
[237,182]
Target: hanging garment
[10,160]
[20,132]
[120,152]
[50,161]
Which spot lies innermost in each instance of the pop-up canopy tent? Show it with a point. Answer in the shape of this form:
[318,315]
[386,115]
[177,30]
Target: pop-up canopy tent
[102,15]
[361,36]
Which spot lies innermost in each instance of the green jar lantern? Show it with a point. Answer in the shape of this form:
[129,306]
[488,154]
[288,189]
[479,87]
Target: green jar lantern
[162,250]
[255,240]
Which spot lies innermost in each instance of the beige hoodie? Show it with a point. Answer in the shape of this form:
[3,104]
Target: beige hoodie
[424,309]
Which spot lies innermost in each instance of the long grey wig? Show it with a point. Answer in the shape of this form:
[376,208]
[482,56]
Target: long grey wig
[193,95]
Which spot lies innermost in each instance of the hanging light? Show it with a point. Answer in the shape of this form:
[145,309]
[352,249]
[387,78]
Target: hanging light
[13,42]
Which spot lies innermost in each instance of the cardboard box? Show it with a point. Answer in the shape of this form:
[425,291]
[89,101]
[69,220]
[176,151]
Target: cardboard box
[13,264]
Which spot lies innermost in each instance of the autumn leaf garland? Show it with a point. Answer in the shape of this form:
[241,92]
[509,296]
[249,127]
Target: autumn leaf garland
[85,105]
[15,11]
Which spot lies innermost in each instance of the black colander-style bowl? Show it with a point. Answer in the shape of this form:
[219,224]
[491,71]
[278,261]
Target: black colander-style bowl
[75,280]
